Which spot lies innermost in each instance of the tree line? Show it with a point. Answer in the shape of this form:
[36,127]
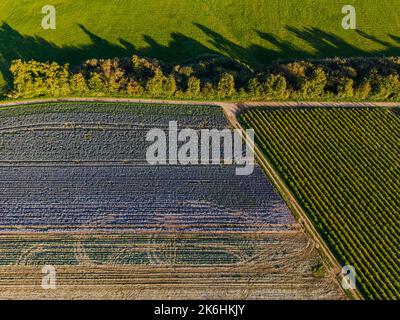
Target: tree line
[211,77]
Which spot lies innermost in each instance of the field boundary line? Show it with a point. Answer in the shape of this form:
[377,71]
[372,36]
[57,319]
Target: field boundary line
[245,104]
[231,110]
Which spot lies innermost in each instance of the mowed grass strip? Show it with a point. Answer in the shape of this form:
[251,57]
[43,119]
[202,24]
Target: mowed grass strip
[343,166]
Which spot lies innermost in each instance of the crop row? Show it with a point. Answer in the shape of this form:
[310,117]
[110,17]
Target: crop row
[266,265]
[135,248]
[140,196]
[343,167]
[83,142]
[155,115]
[96,132]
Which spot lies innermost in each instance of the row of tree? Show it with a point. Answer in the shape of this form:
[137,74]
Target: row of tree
[212,77]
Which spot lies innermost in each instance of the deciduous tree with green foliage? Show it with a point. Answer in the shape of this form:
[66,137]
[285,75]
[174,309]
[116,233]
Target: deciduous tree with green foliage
[360,79]
[226,86]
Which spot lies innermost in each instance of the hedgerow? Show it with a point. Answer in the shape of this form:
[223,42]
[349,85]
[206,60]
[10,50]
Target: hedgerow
[212,77]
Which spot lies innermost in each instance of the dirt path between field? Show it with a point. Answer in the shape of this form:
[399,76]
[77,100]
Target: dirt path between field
[292,104]
[231,111]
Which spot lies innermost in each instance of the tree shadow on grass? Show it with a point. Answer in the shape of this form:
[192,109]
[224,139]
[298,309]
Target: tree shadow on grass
[324,45]
[14,45]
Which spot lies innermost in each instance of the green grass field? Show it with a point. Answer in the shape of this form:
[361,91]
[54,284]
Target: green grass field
[255,32]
